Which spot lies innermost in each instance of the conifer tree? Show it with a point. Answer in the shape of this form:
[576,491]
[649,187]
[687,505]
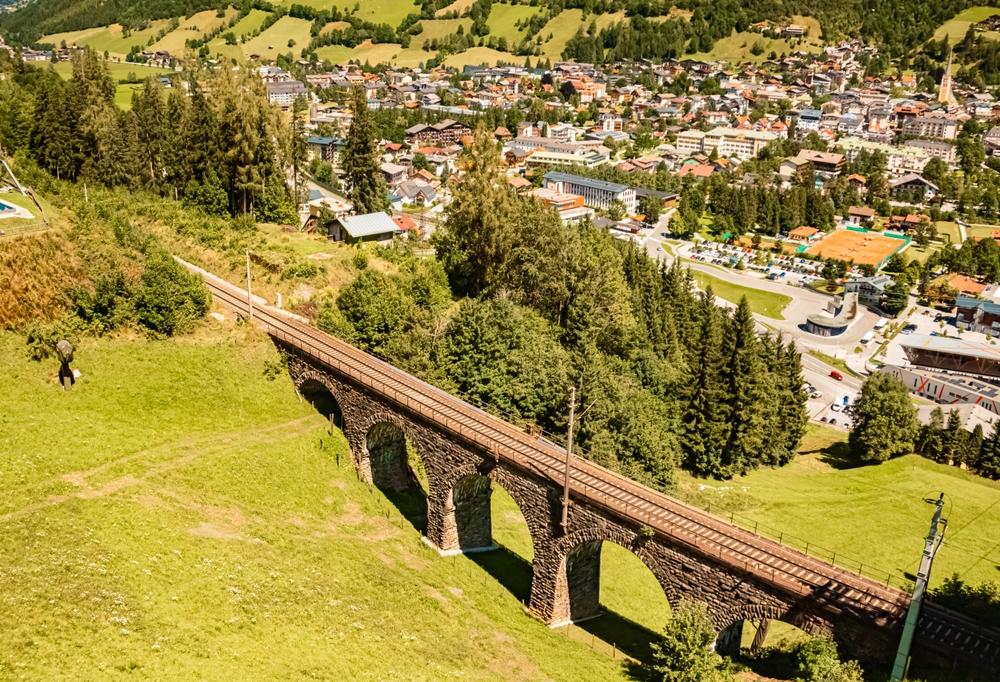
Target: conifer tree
[366,187]
[988,462]
[746,395]
[703,425]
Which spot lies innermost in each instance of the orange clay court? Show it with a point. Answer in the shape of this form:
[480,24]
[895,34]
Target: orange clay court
[870,248]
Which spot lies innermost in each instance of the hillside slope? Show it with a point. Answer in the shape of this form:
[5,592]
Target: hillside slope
[179,516]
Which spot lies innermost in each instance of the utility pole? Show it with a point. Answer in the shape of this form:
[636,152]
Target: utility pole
[249,293]
[931,546]
[569,456]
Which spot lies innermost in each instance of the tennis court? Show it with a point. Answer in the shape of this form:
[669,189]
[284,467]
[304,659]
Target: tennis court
[859,247]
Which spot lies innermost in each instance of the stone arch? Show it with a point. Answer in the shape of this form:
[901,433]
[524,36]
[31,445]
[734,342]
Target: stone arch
[321,396]
[464,496]
[730,624]
[387,457]
[577,565]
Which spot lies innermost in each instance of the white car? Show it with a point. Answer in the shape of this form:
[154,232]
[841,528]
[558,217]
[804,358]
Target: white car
[835,407]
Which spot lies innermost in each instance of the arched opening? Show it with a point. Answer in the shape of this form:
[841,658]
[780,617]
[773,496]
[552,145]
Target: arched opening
[765,645]
[397,470]
[510,562]
[610,593]
[320,397]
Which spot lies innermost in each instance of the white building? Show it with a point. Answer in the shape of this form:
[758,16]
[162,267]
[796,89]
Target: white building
[595,193]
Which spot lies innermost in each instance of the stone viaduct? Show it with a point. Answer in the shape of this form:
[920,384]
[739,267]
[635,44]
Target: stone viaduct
[396,425]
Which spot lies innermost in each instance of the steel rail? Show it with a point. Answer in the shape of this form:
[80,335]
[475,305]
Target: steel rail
[784,567]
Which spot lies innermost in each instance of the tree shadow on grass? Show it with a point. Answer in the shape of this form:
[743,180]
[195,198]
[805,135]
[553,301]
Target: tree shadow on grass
[627,636]
[509,569]
[839,456]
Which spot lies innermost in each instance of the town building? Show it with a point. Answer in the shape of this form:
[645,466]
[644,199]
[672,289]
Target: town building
[596,193]
[442,132]
[370,227]
[870,290]
[283,93]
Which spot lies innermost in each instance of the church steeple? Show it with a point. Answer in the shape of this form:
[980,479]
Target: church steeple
[945,95]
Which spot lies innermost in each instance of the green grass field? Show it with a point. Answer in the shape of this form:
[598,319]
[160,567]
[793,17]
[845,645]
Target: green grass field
[365,52]
[564,25]
[110,39]
[274,41]
[955,28]
[503,17]
[457,6]
[119,72]
[762,302]
[872,514]
[175,516]
[482,56]
[949,231]
[390,12]
[191,28]
[438,29]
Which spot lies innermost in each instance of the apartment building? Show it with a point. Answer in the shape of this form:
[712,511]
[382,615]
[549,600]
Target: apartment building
[899,160]
[941,127]
[743,144]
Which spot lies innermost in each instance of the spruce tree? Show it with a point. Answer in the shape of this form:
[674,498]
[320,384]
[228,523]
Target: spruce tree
[366,187]
[746,395]
[988,462]
[703,428]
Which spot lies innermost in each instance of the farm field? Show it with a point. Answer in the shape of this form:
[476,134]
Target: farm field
[457,6]
[438,29]
[762,302]
[274,41]
[193,27]
[873,514]
[110,39]
[372,53]
[956,27]
[244,27]
[565,24]
[390,12]
[235,525]
[503,17]
[739,45]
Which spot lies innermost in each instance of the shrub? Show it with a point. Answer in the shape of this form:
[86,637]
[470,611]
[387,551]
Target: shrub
[168,300]
[105,308]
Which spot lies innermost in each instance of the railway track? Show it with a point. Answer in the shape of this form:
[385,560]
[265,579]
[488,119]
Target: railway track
[783,567]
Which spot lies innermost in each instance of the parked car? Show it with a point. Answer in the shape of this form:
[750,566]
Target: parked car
[815,394]
[834,374]
[835,407]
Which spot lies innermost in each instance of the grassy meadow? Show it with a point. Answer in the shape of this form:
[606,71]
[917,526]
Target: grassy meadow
[767,303]
[179,516]
[503,17]
[955,28]
[274,40]
[870,514]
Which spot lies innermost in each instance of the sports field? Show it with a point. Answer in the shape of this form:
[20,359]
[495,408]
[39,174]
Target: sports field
[861,248]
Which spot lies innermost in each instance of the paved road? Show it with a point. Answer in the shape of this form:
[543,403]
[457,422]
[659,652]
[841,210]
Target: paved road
[804,301]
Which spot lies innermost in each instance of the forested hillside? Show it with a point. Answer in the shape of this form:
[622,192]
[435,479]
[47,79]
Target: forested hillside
[606,30]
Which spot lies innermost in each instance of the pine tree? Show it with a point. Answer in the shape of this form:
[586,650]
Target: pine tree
[150,118]
[930,442]
[703,428]
[746,395]
[954,439]
[366,187]
[988,462]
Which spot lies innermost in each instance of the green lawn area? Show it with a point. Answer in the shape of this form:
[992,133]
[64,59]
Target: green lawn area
[956,27]
[762,302]
[833,362]
[119,72]
[980,231]
[178,516]
[873,514]
[949,231]
[503,17]
[915,253]
[274,41]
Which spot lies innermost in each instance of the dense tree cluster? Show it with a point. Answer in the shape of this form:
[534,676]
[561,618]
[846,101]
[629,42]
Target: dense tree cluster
[545,305]
[885,426]
[223,147]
